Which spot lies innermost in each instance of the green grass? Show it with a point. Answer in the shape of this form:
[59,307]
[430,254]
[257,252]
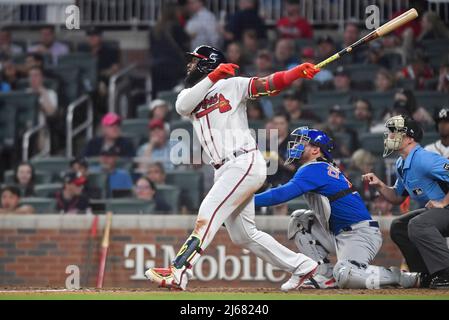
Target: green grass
[209,296]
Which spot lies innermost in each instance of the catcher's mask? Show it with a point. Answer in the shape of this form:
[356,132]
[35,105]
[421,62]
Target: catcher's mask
[209,59]
[303,136]
[396,128]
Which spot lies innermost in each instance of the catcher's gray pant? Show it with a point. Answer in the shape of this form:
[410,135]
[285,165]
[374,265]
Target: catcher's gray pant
[355,250]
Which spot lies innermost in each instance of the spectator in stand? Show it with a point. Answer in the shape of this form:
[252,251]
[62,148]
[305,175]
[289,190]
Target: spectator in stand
[146,190]
[350,35]
[158,148]
[293,106]
[285,172]
[336,124]
[326,48]
[384,81]
[441,146]
[308,55]
[417,112]
[10,202]
[4,85]
[169,42]
[10,74]
[250,45]
[342,80]
[292,25]
[363,113]
[117,179]
[443,78]
[432,27]
[380,206]
[264,63]
[7,48]
[418,70]
[376,55]
[108,58]
[202,27]
[48,107]
[49,45]
[156,173]
[284,54]
[254,110]
[71,199]
[246,18]
[24,179]
[81,167]
[160,109]
[111,136]
[362,162]
[234,55]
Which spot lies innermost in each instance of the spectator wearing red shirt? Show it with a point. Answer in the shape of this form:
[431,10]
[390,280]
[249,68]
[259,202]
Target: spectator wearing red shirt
[292,25]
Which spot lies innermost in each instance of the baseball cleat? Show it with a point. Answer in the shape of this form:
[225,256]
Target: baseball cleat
[320,282]
[407,279]
[164,278]
[296,281]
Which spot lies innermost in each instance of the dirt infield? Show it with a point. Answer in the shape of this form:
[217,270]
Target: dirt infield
[220,293]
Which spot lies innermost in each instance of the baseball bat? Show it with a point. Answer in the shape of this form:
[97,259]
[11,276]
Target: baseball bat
[379,32]
[104,250]
[90,245]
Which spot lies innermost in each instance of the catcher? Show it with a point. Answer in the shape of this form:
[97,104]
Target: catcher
[339,222]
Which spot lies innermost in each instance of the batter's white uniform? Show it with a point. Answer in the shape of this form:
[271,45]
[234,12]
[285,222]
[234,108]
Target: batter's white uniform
[220,121]
[439,148]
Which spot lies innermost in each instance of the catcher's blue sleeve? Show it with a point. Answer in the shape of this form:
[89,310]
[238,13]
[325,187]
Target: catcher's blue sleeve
[277,195]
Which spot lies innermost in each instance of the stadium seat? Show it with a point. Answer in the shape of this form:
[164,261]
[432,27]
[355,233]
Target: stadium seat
[432,99]
[47,190]
[130,206]
[362,74]
[88,68]
[378,100]
[23,84]
[56,166]
[98,180]
[429,137]
[169,96]
[191,185]
[143,112]
[137,128]
[69,82]
[41,177]
[171,195]
[257,124]
[40,205]
[373,142]
[26,105]
[8,133]
[329,98]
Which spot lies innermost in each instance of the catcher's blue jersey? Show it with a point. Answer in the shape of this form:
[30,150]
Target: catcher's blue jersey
[322,178]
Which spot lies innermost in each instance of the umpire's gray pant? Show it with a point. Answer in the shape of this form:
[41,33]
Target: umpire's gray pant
[421,237]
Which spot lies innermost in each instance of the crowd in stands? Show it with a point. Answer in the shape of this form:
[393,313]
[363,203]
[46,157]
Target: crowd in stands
[405,73]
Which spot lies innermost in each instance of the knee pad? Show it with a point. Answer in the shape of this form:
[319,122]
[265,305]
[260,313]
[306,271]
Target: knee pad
[301,219]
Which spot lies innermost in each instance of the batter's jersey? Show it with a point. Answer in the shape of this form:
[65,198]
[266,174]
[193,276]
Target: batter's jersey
[220,119]
[439,148]
[424,175]
[323,178]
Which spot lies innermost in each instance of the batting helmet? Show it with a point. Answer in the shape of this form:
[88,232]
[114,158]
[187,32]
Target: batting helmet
[304,135]
[441,115]
[210,58]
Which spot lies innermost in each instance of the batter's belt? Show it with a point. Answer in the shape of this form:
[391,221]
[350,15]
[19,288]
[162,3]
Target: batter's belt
[234,155]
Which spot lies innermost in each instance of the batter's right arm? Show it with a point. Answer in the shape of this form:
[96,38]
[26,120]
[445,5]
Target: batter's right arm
[389,193]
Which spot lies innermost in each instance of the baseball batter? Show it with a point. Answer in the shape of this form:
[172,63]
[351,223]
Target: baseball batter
[339,222]
[214,100]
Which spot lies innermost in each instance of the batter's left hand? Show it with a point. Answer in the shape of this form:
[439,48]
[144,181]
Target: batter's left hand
[308,70]
[432,204]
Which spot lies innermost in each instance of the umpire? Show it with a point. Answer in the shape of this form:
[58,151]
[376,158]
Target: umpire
[424,176]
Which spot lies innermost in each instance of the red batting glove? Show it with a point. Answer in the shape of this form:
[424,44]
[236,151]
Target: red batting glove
[223,71]
[306,70]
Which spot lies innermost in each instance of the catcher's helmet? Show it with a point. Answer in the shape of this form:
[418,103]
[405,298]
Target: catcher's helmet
[210,58]
[303,135]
